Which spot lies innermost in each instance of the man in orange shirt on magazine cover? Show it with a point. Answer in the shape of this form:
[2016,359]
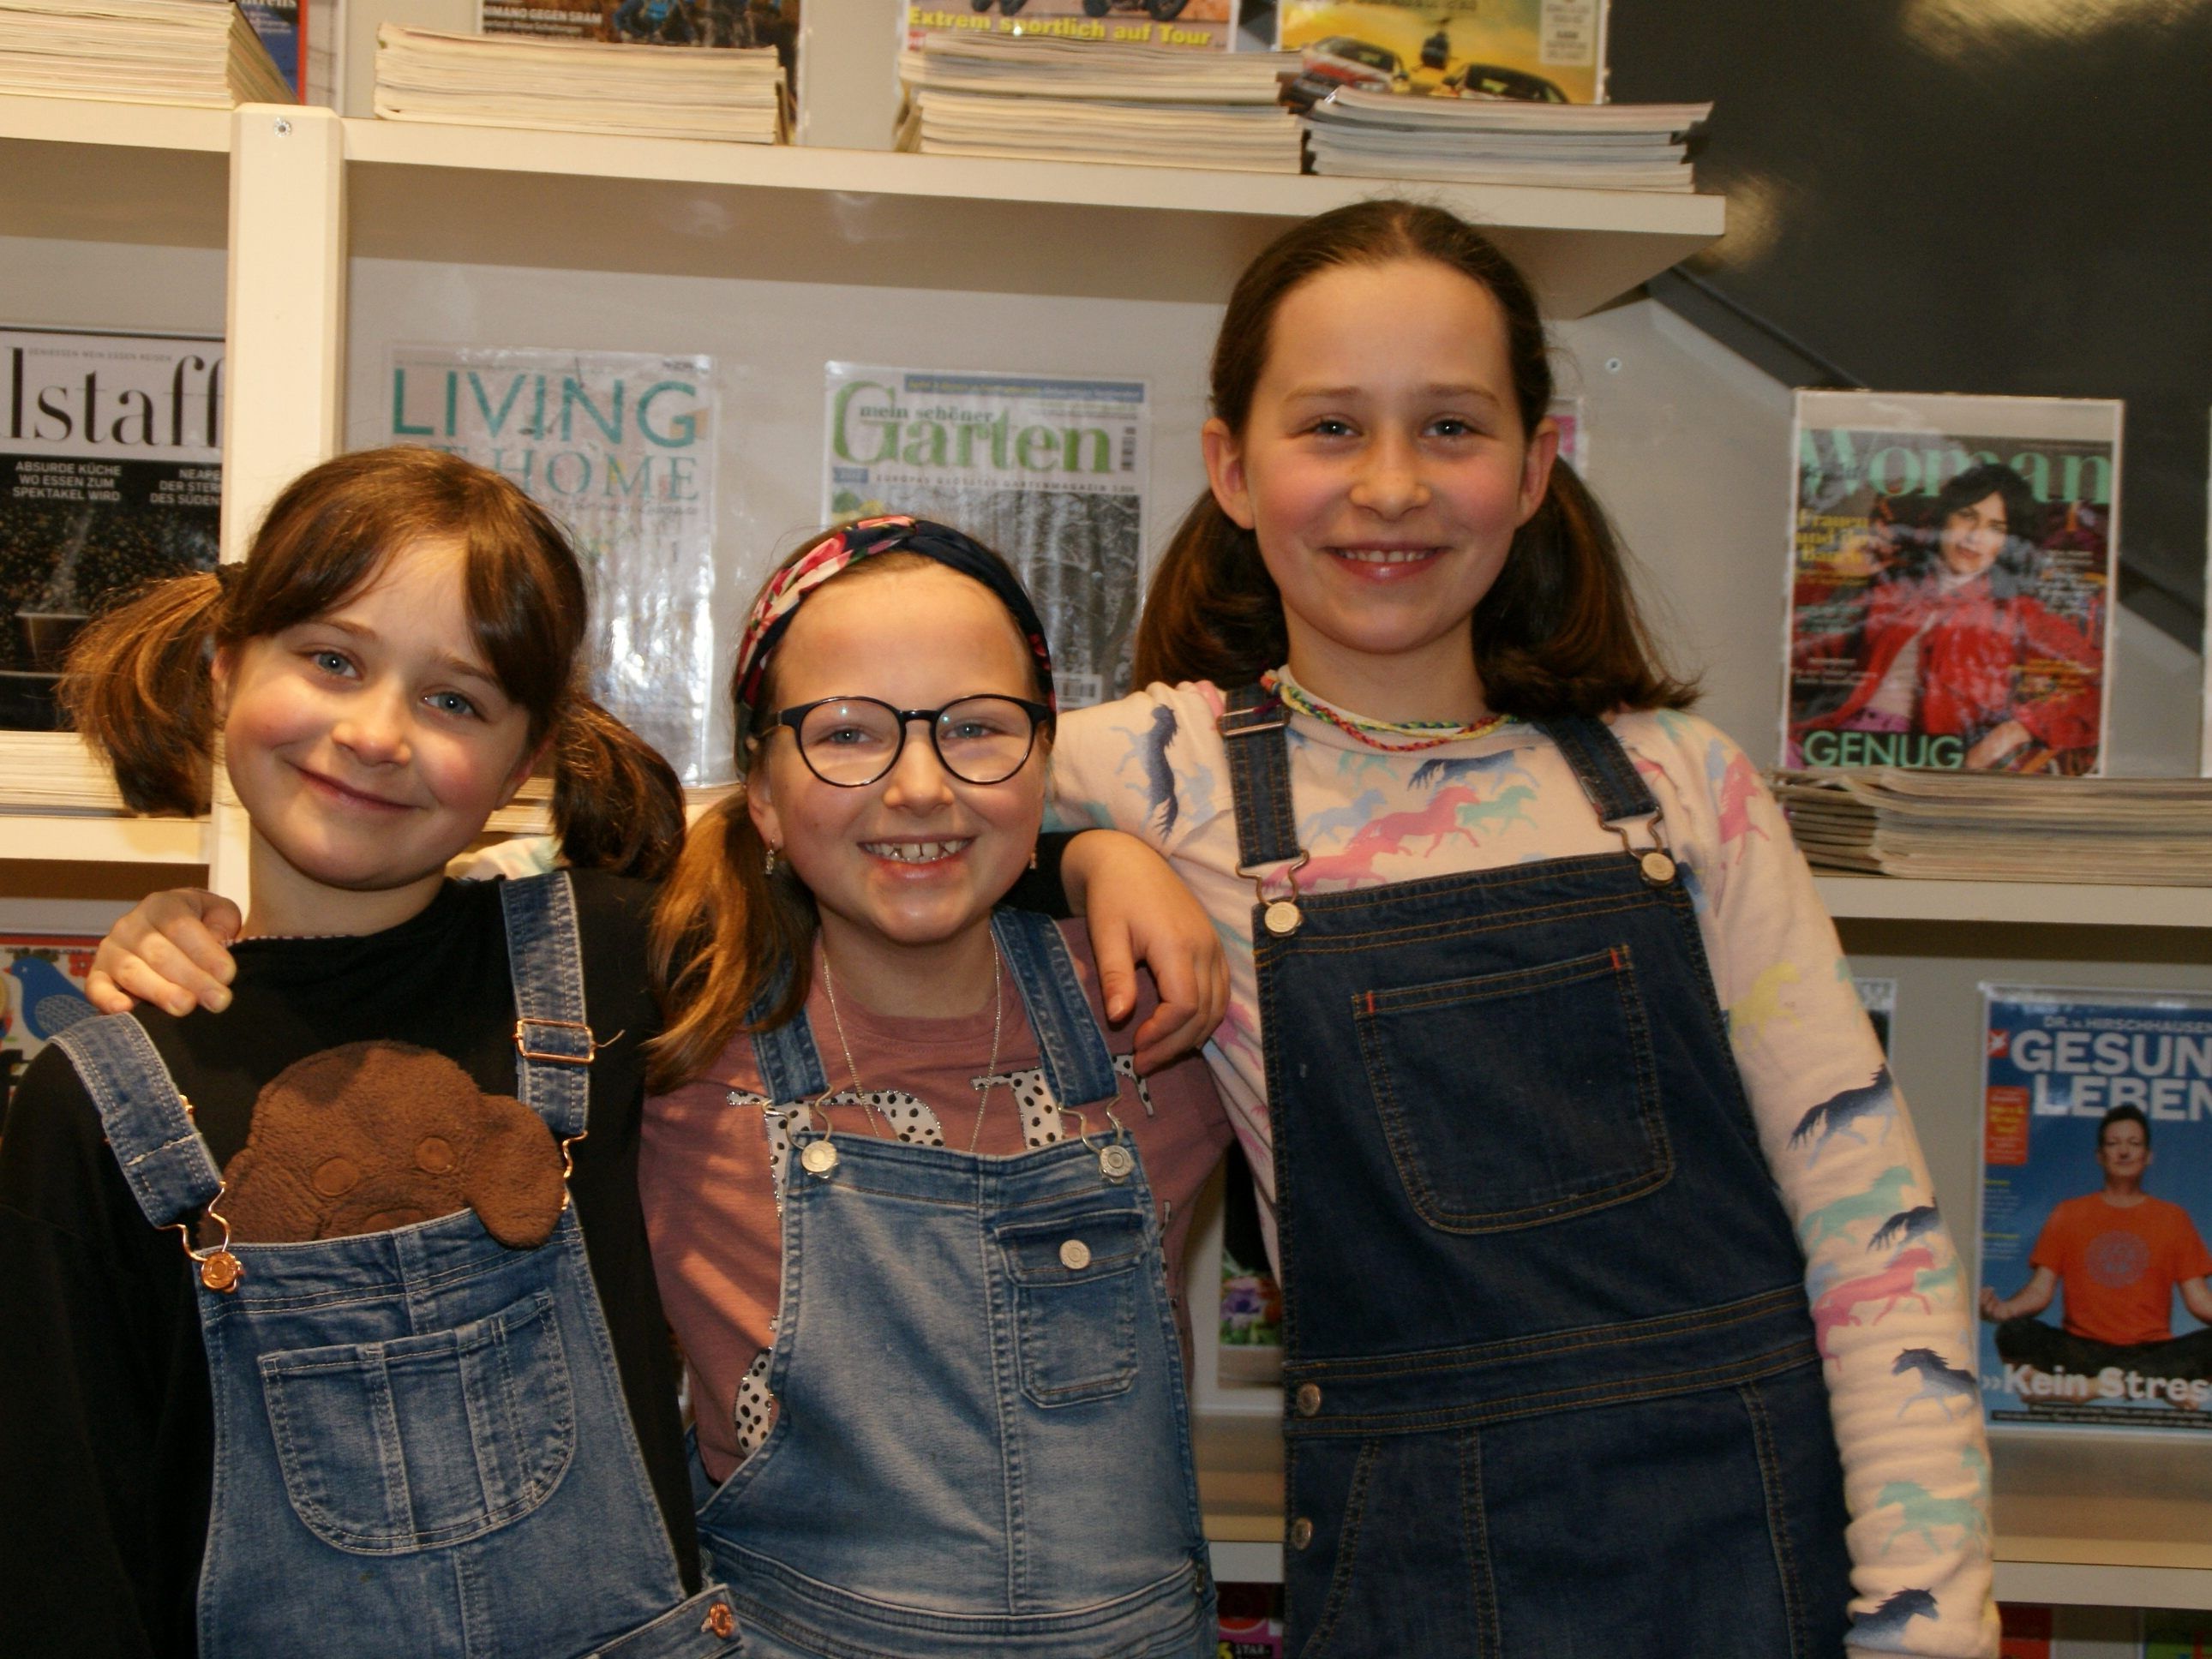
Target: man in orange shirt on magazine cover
[2121,1256]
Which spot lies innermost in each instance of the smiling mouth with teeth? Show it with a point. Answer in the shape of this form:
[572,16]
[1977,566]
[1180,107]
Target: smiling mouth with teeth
[913,852]
[1384,555]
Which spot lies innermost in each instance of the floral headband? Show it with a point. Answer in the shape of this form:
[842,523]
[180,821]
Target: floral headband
[780,601]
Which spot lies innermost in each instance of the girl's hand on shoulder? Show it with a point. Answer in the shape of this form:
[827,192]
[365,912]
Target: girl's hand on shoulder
[1138,910]
[171,950]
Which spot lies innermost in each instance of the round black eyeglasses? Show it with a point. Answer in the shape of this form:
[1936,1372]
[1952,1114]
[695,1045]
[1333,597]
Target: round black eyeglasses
[852,742]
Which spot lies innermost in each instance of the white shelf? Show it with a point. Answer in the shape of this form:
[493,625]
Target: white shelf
[2081,1520]
[488,196]
[65,837]
[2038,903]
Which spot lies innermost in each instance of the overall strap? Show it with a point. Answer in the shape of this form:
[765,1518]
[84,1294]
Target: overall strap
[790,1063]
[1077,1067]
[1607,776]
[553,1041]
[147,1121]
[1253,727]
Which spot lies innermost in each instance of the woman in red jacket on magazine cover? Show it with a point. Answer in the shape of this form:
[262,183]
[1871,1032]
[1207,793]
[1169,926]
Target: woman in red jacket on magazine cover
[1948,631]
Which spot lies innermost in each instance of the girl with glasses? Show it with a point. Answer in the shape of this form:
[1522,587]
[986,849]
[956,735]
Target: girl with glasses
[915,1219]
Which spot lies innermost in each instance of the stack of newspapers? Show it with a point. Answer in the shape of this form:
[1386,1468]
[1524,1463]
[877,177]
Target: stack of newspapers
[1503,140]
[580,86]
[1995,826]
[201,52]
[1044,98]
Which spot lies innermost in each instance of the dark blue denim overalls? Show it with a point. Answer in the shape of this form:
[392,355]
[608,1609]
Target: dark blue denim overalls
[981,1444]
[421,1441]
[1551,1387]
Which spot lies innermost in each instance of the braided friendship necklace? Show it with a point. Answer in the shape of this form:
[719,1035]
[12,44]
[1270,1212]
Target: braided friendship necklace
[1412,735]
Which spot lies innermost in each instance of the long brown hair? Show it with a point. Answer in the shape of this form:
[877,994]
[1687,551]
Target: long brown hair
[1559,632]
[138,687]
[725,930]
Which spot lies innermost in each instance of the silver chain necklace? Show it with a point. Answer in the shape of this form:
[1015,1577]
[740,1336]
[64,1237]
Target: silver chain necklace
[990,1072]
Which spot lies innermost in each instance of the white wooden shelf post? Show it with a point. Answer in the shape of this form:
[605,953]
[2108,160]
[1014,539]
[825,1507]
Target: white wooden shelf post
[285,352]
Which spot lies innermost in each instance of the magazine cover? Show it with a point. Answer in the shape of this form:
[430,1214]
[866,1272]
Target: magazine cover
[41,995]
[2172,1634]
[1050,471]
[2096,1201]
[1206,25]
[1951,581]
[656,22]
[1546,52]
[1249,1347]
[2026,1630]
[111,474]
[620,447]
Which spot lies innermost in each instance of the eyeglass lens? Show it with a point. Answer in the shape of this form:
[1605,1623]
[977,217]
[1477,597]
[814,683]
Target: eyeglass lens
[982,740]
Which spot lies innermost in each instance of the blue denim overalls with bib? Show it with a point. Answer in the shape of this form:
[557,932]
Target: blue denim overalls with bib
[981,1444]
[1550,1382]
[421,1441]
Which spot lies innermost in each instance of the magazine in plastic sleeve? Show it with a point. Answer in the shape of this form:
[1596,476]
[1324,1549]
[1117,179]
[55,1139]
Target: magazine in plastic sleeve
[111,476]
[1951,581]
[620,447]
[1205,24]
[1535,51]
[2096,1199]
[42,978]
[1050,471]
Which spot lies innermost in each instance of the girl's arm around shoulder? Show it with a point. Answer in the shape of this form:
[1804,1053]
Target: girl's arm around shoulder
[95,1502]
[1151,764]
[1884,1283]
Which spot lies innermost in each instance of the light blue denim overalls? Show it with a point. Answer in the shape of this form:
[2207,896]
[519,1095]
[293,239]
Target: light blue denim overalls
[981,1445]
[421,1441]
[1550,1380]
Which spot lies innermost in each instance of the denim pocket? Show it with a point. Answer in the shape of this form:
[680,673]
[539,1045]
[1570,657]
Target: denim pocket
[1075,1304]
[1513,1099]
[389,1448]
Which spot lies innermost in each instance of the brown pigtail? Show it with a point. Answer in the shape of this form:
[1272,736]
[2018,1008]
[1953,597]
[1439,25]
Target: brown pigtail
[137,686]
[616,803]
[1212,612]
[723,926]
[1560,631]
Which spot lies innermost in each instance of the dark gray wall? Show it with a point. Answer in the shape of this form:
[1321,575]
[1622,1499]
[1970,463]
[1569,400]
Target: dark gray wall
[1990,196]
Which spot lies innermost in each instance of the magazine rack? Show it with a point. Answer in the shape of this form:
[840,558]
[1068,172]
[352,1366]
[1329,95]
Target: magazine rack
[332,238]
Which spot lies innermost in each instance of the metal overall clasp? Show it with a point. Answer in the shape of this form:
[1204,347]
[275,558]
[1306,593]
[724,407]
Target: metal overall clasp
[1280,916]
[1653,861]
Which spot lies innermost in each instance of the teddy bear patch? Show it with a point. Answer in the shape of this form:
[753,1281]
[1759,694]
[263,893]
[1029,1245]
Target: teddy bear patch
[372,1136]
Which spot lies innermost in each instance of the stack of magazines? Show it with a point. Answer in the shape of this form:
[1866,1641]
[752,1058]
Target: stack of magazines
[1042,99]
[1503,140]
[201,52]
[580,86]
[1999,826]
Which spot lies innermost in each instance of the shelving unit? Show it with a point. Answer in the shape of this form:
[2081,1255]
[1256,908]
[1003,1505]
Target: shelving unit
[299,199]
[2034,903]
[345,236]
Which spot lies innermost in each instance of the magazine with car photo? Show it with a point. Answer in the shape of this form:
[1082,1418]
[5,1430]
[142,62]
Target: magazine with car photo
[1544,51]
[2096,1201]
[1952,573]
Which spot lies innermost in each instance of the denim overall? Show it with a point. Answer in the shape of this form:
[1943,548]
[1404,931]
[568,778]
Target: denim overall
[981,1444]
[1550,1382]
[421,1443]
